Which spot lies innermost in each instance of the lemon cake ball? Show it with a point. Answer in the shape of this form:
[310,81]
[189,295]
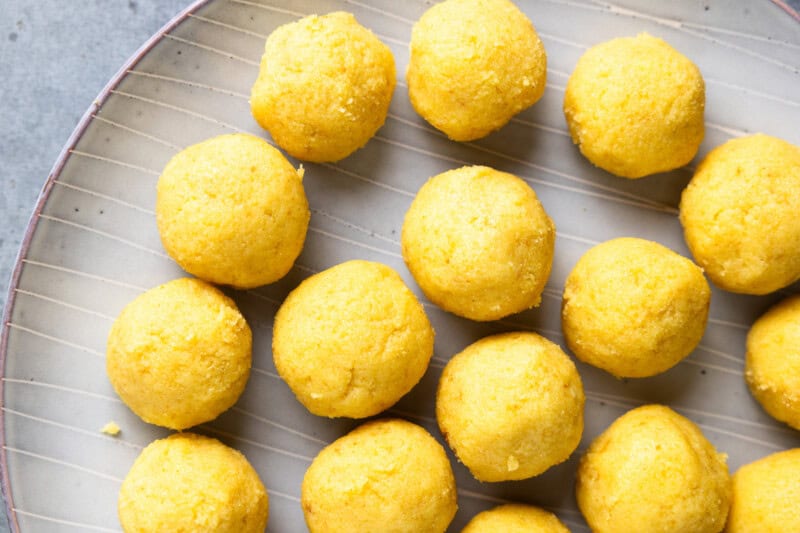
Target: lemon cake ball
[232,210]
[192,484]
[634,307]
[474,64]
[515,518]
[387,475]
[766,495]
[741,214]
[510,406]
[653,470]
[479,243]
[179,354]
[324,86]
[772,361]
[351,340]
[634,106]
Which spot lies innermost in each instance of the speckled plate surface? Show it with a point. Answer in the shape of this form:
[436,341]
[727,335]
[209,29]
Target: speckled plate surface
[93,246]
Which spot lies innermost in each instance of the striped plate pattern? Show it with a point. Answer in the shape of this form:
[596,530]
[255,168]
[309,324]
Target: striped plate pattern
[93,246]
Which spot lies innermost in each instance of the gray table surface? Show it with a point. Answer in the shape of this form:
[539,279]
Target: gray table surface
[55,57]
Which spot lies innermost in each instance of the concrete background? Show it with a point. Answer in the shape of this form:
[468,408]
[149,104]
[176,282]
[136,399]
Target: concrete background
[55,57]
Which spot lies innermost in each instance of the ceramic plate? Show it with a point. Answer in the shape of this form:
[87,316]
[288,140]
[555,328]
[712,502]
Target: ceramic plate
[93,246]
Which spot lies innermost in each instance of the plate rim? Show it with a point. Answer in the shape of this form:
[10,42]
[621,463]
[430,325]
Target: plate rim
[84,122]
[44,195]
[791,11]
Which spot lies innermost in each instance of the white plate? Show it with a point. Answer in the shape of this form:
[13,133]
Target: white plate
[93,246]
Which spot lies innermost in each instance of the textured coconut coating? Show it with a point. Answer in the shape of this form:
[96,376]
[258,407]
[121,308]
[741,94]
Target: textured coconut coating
[474,64]
[479,243]
[232,210]
[634,307]
[351,340]
[179,354]
[772,362]
[653,470]
[741,214]
[511,406]
[388,475]
[192,484]
[324,86]
[634,106]
[515,518]
[766,495]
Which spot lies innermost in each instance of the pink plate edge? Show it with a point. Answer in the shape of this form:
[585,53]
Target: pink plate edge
[5,482]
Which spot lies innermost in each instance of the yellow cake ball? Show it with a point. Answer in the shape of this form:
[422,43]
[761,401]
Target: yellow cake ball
[474,64]
[515,518]
[179,354]
[387,476]
[653,470]
[351,340]
[511,406]
[634,308]
[772,363]
[192,484]
[634,106]
[232,210]
[479,243]
[741,214]
[324,86]
[766,495]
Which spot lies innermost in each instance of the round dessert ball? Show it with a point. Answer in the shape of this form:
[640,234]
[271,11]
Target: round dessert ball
[232,210]
[634,106]
[179,354]
[634,308]
[189,482]
[515,518]
[741,214]
[479,243]
[772,363]
[351,340]
[324,86]
[653,470]
[387,475]
[766,495]
[510,406]
[474,65]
